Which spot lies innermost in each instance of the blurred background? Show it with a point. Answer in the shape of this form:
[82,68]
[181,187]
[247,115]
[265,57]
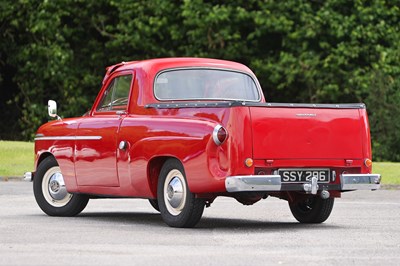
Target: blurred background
[311,51]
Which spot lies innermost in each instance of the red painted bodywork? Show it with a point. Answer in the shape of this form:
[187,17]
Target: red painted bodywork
[274,137]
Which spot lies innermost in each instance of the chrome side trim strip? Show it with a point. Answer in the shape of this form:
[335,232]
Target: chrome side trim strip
[69,138]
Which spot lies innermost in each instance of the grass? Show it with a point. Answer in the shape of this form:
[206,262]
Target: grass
[390,172]
[16,158]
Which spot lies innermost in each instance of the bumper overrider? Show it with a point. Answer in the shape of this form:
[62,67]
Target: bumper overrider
[273,183]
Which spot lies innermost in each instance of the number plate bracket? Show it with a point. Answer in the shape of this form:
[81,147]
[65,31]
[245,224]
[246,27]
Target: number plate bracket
[305,175]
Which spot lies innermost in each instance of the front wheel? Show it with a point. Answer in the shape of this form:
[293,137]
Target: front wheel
[154,204]
[312,210]
[178,206]
[51,194]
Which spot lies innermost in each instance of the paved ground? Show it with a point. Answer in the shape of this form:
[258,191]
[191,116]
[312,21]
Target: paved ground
[364,229]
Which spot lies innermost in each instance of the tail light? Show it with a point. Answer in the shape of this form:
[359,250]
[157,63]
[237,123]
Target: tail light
[368,163]
[248,162]
[219,134]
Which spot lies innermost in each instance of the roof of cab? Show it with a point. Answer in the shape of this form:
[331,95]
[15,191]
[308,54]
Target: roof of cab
[178,62]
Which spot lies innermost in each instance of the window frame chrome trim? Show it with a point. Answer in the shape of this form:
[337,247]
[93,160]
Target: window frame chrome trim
[253,78]
[112,76]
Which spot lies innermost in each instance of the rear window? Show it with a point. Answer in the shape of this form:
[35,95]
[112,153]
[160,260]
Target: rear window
[205,84]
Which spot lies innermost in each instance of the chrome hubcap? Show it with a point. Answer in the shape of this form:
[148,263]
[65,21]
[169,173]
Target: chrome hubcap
[175,192]
[57,188]
[53,188]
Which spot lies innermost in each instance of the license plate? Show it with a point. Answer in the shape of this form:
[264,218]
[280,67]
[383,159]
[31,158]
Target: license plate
[304,175]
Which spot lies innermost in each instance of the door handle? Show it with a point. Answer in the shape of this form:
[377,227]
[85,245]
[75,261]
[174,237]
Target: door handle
[123,145]
[120,114]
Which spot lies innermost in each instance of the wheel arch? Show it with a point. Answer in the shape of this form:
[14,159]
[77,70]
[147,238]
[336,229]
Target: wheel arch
[42,157]
[153,171]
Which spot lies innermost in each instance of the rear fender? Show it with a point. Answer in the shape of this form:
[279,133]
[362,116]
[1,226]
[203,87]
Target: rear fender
[190,151]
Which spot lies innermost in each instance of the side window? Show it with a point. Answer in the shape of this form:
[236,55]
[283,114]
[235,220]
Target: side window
[116,95]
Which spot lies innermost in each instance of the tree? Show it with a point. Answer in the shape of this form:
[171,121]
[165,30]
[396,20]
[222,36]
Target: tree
[301,51]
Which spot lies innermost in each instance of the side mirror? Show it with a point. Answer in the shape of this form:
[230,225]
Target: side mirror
[52,108]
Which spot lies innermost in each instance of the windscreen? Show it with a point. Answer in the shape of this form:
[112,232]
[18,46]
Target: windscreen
[205,84]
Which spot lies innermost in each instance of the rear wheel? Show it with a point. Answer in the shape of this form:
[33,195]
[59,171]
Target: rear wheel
[312,210]
[51,194]
[178,206]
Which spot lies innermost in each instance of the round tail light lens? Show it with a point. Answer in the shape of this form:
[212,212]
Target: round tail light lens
[219,134]
[368,163]
[249,162]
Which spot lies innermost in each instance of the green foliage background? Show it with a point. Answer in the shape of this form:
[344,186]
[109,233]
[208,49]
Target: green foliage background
[301,51]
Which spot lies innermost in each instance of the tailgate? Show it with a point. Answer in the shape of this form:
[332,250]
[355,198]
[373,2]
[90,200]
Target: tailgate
[306,133]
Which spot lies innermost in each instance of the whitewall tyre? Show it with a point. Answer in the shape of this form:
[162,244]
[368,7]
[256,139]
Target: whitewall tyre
[51,193]
[178,206]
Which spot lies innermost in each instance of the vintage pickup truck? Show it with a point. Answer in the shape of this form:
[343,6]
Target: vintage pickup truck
[183,131]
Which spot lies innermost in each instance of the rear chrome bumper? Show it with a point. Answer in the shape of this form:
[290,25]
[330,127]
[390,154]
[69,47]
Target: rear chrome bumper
[253,183]
[360,181]
[273,183]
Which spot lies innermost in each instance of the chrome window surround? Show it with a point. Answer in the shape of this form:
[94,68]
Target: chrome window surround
[253,78]
[115,75]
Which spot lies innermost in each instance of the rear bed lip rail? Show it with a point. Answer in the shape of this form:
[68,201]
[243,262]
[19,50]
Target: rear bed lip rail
[228,103]
[273,183]
[311,105]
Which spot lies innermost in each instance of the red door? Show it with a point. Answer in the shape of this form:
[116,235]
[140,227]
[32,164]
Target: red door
[96,145]
[97,135]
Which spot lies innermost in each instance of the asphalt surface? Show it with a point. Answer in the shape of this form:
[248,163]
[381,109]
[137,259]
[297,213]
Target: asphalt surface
[363,229]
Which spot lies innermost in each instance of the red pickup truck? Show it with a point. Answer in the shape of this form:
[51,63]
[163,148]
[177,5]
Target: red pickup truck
[183,131]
